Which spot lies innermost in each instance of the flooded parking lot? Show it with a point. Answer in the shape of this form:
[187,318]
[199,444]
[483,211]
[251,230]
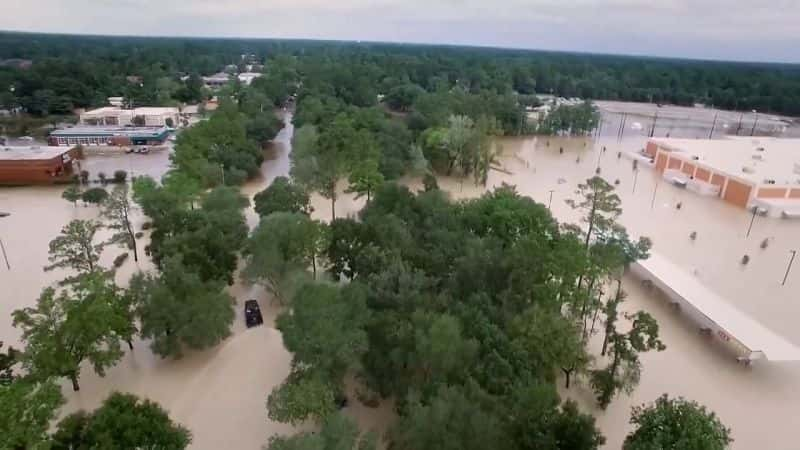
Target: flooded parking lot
[220,394]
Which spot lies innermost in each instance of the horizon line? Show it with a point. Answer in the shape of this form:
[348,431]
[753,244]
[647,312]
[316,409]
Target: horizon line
[413,43]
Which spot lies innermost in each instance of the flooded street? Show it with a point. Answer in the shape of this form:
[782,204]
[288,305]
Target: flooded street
[220,394]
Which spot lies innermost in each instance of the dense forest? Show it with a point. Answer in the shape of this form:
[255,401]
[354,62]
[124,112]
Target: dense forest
[81,71]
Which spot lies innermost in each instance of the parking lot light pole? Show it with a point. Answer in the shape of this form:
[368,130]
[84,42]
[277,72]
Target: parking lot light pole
[2,246]
[786,275]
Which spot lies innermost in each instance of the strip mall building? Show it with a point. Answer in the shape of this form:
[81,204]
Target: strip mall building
[108,136]
[760,171]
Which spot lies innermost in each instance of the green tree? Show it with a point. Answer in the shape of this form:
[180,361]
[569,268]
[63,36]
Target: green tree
[122,421]
[263,127]
[338,432]
[75,248]
[85,323]
[401,97]
[28,408]
[178,309]
[304,395]
[7,362]
[95,195]
[624,370]
[282,246]
[364,179]
[116,211]
[670,423]
[325,328]
[72,194]
[600,205]
[551,342]
[537,421]
[451,420]
[282,196]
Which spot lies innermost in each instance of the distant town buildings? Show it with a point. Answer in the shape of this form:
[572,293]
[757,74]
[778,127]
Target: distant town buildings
[16,63]
[746,172]
[110,136]
[117,116]
[36,165]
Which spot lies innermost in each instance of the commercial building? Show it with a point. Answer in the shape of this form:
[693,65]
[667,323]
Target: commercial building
[247,77]
[217,80]
[113,136]
[116,116]
[761,171]
[36,165]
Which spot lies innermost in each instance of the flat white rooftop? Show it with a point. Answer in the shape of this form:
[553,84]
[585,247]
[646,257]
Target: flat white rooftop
[43,153]
[754,159]
[143,111]
[693,294]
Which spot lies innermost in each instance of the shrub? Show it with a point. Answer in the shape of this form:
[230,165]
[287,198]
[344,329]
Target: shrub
[120,260]
[95,195]
[102,176]
[120,176]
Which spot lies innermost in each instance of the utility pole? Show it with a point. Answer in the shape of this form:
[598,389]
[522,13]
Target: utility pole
[755,122]
[738,128]
[752,219]
[635,177]
[713,125]
[794,253]
[653,201]
[2,246]
[653,128]
[550,202]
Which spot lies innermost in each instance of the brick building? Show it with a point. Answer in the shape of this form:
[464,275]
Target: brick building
[36,165]
[761,171]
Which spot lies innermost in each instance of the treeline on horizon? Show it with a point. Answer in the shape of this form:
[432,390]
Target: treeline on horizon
[81,71]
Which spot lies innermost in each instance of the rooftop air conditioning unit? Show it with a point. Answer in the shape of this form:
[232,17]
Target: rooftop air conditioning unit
[797,168]
[769,181]
[758,157]
[748,169]
[759,149]
[695,158]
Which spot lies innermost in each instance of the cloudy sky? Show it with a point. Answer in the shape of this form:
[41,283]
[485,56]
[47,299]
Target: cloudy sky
[762,30]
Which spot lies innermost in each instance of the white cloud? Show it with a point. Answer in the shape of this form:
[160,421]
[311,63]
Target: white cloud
[691,28]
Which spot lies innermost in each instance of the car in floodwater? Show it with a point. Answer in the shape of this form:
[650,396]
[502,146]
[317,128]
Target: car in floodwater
[252,314]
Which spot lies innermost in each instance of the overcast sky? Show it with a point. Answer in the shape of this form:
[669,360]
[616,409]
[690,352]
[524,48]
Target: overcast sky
[761,30]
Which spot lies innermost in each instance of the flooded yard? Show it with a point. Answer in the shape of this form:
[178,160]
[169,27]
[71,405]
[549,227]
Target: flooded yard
[220,394]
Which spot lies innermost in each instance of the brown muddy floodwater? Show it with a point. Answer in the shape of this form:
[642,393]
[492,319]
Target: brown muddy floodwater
[220,394]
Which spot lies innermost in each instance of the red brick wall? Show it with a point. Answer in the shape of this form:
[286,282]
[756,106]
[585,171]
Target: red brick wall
[794,193]
[688,169]
[651,149]
[661,162]
[737,193]
[771,193]
[702,174]
[674,163]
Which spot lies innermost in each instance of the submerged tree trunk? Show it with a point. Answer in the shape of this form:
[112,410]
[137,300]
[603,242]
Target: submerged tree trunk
[314,266]
[567,376]
[73,376]
[130,343]
[133,240]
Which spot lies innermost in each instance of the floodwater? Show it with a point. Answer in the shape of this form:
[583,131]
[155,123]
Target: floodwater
[220,394]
